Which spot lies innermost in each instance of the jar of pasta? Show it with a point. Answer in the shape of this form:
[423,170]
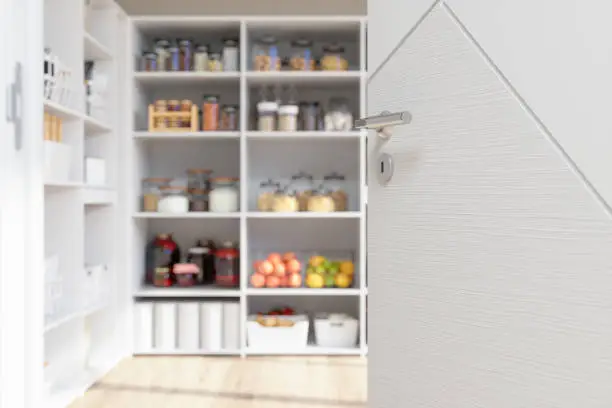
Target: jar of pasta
[266,56]
[303,185]
[210,113]
[336,184]
[267,192]
[321,201]
[301,58]
[333,58]
[285,200]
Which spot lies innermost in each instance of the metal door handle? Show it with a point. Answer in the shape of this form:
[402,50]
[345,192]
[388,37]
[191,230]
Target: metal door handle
[14,112]
[383,122]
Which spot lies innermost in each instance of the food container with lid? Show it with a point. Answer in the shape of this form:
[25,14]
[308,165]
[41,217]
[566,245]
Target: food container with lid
[308,117]
[151,192]
[163,54]
[303,185]
[336,183]
[200,58]
[267,191]
[214,62]
[230,55]
[210,113]
[186,274]
[321,201]
[301,56]
[174,58]
[266,112]
[229,117]
[198,200]
[224,196]
[173,200]
[227,265]
[333,58]
[162,277]
[198,179]
[266,56]
[287,118]
[186,55]
[338,116]
[149,62]
[285,200]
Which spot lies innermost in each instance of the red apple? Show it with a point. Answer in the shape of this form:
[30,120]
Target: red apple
[274,258]
[295,280]
[293,266]
[288,256]
[266,268]
[256,266]
[280,270]
[258,280]
[283,282]
[272,281]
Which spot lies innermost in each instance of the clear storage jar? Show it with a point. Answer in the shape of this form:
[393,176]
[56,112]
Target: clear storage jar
[200,58]
[214,62]
[265,55]
[285,200]
[198,179]
[229,117]
[230,55]
[333,58]
[224,195]
[198,200]
[174,200]
[287,118]
[266,116]
[151,192]
[338,116]
[308,117]
[163,54]
[321,201]
[267,191]
[301,56]
[336,183]
[303,185]
[149,62]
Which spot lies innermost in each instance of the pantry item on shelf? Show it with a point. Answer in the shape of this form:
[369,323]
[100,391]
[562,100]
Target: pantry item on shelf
[161,122]
[302,183]
[285,200]
[338,116]
[173,200]
[322,272]
[149,61]
[53,128]
[186,105]
[274,333]
[162,277]
[200,58]
[336,330]
[267,191]
[229,117]
[186,273]
[279,311]
[274,321]
[336,183]
[161,252]
[163,54]
[321,201]
[266,56]
[210,113]
[202,254]
[198,200]
[174,57]
[302,59]
[308,118]
[267,116]
[287,118]
[227,265]
[333,58]
[174,105]
[168,115]
[214,62]
[230,55]
[277,271]
[198,179]
[186,55]
[224,196]
[151,192]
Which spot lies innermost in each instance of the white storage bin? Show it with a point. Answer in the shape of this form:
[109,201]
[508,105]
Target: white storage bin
[57,161]
[336,330]
[95,171]
[271,339]
[188,326]
[143,335]
[165,326]
[231,326]
[211,327]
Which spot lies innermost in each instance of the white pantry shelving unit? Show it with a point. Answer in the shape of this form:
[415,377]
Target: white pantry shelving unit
[252,156]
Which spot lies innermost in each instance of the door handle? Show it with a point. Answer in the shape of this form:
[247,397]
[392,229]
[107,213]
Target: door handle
[382,123]
[14,111]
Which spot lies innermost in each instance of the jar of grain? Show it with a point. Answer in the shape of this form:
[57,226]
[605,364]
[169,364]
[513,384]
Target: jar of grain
[210,113]
[229,117]
[287,118]
[303,185]
[321,201]
[267,192]
[173,200]
[151,192]
[267,111]
[336,184]
[265,55]
[301,58]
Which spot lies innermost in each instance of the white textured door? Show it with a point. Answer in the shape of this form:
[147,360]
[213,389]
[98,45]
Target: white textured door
[489,260]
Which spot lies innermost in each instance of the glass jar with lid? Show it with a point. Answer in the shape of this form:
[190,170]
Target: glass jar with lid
[333,58]
[266,56]
[285,200]
[151,192]
[338,116]
[149,61]
[200,58]
[230,55]
[287,117]
[267,191]
[224,195]
[174,57]
[214,62]
[266,116]
[227,265]
[174,200]
[229,117]
[210,113]
[163,54]
[307,119]
[301,55]
[336,183]
[198,200]
[303,185]
[321,201]
[198,179]
[186,55]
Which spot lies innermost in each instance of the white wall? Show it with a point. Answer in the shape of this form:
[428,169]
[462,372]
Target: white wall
[490,266]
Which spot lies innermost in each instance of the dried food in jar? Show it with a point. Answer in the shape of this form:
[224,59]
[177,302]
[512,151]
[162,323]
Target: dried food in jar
[151,192]
[229,117]
[163,55]
[198,200]
[173,200]
[303,185]
[200,58]
[214,62]
[266,121]
[321,201]
[333,58]
[287,118]
[224,196]
[338,116]
[198,179]
[186,273]
[149,62]
[266,56]
[336,184]
[174,58]
[230,55]
[161,106]
[186,105]
[174,105]
[267,191]
[174,121]
[302,59]
[210,113]
[186,55]
[285,201]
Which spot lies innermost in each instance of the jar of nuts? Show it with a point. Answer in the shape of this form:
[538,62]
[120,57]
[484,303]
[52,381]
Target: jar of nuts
[301,56]
[266,56]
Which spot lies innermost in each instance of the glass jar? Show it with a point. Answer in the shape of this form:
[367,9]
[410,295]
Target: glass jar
[336,183]
[200,58]
[210,113]
[173,105]
[186,105]
[174,121]
[198,200]
[214,62]
[174,58]
[161,106]
[186,52]
[308,116]
[151,192]
[149,62]
[303,185]
[338,116]
[229,117]
[198,179]
[333,58]
[173,200]
[227,265]
[224,196]
[321,201]
[267,191]
[287,118]
[162,277]
[230,55]
[202,254]
[266,56]
[301,56]
[161,252]
[285,201]
[266,120]
[163,55]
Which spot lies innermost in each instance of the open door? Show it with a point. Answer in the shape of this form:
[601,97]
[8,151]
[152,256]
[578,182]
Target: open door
[489,261]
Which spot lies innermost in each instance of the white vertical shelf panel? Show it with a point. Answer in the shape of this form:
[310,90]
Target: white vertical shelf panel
[363,313]
[244,194]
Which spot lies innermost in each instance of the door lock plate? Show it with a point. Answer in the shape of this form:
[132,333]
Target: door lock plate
[384,169]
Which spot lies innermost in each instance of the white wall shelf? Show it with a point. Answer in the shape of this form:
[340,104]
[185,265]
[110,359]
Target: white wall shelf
[94,50]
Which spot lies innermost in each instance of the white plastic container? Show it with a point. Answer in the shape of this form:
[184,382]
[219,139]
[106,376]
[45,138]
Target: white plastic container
[336,330]
[224,196]
[211,327]
[57,161]
[231,326]
[143,335]
[165,326]
[188,326]
[275,339]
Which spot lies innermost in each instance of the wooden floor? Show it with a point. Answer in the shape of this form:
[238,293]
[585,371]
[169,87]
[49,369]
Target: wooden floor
[227,382]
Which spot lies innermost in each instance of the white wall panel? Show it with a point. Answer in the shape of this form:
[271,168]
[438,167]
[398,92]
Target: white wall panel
[489,260]
[557,56]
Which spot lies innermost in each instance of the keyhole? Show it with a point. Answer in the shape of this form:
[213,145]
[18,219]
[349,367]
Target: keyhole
[382,167]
